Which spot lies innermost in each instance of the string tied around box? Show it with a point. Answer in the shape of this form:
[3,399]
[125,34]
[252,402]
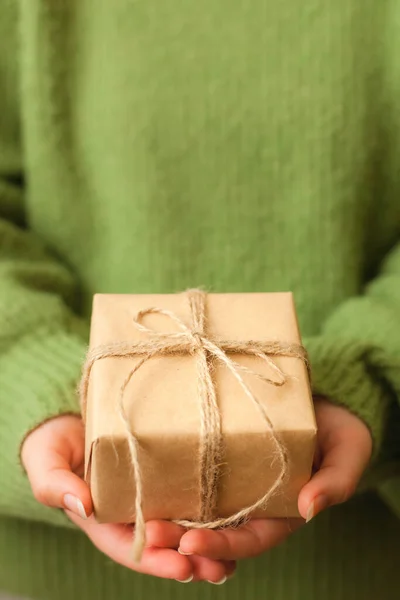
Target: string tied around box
[194,340]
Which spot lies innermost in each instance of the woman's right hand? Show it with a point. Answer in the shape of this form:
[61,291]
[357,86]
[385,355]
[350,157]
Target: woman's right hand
[53,457]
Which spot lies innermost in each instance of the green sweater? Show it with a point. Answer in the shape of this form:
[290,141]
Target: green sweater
[240,146]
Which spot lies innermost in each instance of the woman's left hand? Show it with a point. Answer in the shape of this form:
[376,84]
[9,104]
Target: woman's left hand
[344,449]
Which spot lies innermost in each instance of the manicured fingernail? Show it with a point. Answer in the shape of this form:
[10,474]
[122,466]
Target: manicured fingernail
[75,505]
[310,511]
[188,580]
[316,506]
[220,582]
[185,553]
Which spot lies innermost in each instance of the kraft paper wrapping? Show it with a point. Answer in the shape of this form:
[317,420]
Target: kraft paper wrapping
[162,403]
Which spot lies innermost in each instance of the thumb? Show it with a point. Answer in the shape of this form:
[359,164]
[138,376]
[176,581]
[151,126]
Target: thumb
[53,457]
[345,457]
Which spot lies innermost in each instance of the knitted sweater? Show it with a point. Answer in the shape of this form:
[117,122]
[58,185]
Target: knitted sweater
[154,146]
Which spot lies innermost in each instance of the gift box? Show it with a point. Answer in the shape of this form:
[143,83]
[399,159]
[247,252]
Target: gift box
[203,399]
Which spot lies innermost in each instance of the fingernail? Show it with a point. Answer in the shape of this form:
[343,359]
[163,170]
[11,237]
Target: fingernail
[75,505]
[185,553]
[310,511]
[316,506]
[220,582]
[188,580]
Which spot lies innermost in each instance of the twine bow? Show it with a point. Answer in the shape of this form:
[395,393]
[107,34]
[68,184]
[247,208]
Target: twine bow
[195,341]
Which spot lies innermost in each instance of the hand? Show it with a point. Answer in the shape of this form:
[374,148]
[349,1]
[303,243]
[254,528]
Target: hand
[344,448]
[53,456]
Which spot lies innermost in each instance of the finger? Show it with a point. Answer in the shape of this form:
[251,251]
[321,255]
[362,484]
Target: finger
[345,457]
[213,571]
[251,539]
[116,542]
[49,456]
[163,534]
[230,567]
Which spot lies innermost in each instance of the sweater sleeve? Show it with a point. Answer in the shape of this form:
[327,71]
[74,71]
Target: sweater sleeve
[355,359]
[42,341]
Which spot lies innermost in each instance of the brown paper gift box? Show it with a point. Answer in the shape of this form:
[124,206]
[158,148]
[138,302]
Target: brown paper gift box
[162,403]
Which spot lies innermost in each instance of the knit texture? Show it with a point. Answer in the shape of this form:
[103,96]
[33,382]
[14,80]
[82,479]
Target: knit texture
[157,146]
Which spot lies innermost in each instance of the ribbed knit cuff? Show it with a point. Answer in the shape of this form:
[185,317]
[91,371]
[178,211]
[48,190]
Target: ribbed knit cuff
[341,374]
[38,379]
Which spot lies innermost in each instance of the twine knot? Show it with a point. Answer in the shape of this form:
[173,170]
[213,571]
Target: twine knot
[198,340]
[193,340]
